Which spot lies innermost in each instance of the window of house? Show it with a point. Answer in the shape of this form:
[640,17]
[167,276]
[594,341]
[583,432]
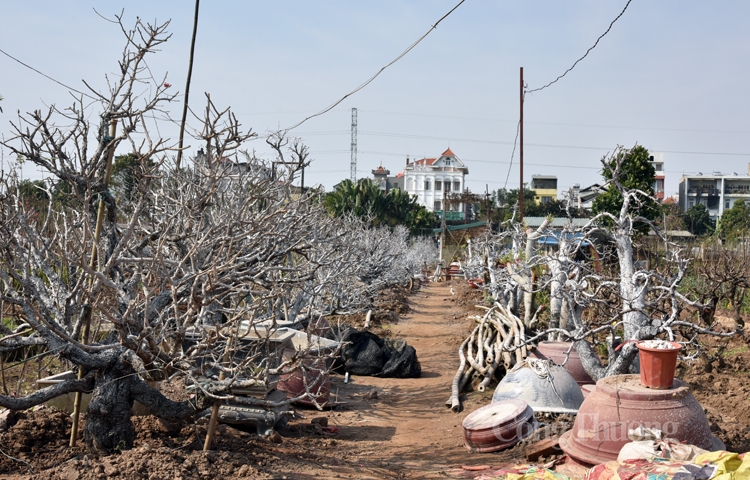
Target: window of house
[436,206]
[691,203]
[546,199]
[447,160]
[447,186]
[457,186]
[438,185]
[395,185]
[426,184]
[726,204]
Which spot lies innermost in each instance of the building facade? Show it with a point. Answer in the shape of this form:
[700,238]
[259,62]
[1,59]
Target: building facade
[657,159]
[431,180]
[717,191]
[385,181]
[545,188]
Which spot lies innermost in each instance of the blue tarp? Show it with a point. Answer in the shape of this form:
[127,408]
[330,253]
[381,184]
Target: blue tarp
[554,238]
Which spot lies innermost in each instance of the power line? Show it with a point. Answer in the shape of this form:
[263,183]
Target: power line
[587,51]
[545,145]
[45,75]
[512,154]
[580,125]
[368,81]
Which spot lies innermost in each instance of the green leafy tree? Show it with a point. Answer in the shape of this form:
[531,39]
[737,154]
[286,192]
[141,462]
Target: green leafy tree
[671,217]
[698,221]
[503,203]
[365,199]
[34,194]
[126,173]
[735,221]
[636,173]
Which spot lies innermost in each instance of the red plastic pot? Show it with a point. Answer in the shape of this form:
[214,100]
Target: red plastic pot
[555,351]
[315,376]
[657,365]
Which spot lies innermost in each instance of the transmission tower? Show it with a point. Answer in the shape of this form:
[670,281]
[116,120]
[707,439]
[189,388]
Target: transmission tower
[353,166]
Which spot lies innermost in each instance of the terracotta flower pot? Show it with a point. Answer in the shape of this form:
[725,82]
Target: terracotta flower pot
[498,425]
[620,403]
[657,365]
[555,351]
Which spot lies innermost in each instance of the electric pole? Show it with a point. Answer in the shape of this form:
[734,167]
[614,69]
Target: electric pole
[353,166]
[520,154]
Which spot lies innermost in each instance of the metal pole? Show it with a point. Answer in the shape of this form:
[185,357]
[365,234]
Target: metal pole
[520,153]
[353,164]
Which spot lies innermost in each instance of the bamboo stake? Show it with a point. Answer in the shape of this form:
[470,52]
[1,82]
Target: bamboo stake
[217,403]
[92,265]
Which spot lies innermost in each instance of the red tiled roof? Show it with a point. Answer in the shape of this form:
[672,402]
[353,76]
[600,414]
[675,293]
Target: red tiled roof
[426,161]
[448,152]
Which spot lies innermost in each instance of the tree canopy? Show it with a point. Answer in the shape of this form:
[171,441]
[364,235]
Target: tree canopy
[735,221]
[365,199]
[698,221]
[503,203]
[634,172]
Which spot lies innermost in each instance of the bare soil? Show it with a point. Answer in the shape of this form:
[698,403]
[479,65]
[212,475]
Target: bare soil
[385,428]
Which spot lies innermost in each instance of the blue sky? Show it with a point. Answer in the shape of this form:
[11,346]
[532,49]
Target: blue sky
[671,75]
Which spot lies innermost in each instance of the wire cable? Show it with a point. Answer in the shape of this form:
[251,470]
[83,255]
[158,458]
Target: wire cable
[512,154]
[44,74]
[585,54]
[368,81]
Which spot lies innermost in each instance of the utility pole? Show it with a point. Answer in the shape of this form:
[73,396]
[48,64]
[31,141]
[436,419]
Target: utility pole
[187,85]
[442,229]
[353,166]
[520,154]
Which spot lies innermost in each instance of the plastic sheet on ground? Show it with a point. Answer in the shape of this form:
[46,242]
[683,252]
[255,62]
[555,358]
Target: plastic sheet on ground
[720,465]
[650,443]
[523,472]
[730,466]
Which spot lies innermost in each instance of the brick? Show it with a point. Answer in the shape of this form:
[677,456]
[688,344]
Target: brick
[542,448]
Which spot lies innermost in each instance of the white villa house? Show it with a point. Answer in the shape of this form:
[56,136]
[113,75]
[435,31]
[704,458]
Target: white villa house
[431,179]
[717,191]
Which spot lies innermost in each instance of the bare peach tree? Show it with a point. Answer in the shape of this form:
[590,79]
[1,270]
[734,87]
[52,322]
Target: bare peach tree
[169,281]
[600,294]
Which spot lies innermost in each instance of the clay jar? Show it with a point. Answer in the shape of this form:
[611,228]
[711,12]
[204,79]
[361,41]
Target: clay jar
[555,351]
[619,403]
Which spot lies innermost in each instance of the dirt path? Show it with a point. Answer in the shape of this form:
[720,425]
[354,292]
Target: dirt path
[387,428]
[405,430]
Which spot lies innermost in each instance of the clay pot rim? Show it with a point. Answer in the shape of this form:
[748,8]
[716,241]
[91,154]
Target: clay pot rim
[620,386]
[525,412]
[677,347]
